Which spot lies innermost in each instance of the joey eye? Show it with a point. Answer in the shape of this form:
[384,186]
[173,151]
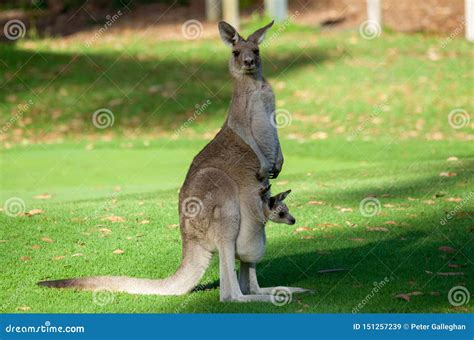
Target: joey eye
[256,52]
[281,214]
[236,53]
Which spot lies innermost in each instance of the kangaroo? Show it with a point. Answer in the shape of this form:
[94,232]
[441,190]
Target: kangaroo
[220,205]
[274,209]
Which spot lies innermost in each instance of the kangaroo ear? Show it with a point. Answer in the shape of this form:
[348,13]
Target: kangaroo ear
[282,195]
[258,36]
[229,35]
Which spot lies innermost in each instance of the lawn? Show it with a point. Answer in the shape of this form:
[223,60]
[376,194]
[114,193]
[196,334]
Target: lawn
[369,119]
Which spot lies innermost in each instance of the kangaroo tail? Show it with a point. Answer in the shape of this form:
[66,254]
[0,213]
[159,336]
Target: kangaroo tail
[195,261]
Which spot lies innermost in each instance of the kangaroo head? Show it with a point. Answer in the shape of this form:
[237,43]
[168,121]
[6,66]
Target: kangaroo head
[276,210]
[245,59]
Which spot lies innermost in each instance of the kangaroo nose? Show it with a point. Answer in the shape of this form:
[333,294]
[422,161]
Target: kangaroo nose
[292,221]
[249,62]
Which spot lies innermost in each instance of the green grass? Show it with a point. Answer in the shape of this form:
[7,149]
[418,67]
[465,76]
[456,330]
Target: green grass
[369,118]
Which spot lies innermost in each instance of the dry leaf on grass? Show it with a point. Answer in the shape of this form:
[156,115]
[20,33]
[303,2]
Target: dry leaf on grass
[57,258]
[35,246]
[105,230]
[447,174]
[316,202]
[34,212]
[118,251]
[452,159]
[453,199]
[23,308]
[357,239]
[173,225]
[346,210]
[42,197]
[25,258]
[447,249]
[334,270]
[144,222]
[47,239]
[429,202]
[307,237]
[405,297]
[113,219]
[390,223]
[388,205]
[301,229]
[450,273]
[282,183]
[327,225]
[377,229]
[77,255]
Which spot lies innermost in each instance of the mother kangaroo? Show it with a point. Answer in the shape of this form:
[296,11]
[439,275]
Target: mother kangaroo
[220,203]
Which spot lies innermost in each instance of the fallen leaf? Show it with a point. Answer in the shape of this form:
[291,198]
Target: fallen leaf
[357,239]
[377,229]
[390,223]
[173,225]
[415,293]
[25,258]
[447,249]
[282,183]
[77,254]
[452,159]
[412,199]
[144,222]
[453,199]
[345,210]
[105,230]
[307,237]
[47,239]
[316,202]
[34,212]
[23,308]
[327,225]
[447,174]
[35,246]
[301,229]
[42,197]
[455,265]
[118,251]
[113,219]
[57,258]
[388,205]
[405,297]
[429,202]
[434,293]
[335,270]
[450,273]
[350,224]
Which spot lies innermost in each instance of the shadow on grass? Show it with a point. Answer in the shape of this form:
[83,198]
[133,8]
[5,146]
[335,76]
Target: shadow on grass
[141,91]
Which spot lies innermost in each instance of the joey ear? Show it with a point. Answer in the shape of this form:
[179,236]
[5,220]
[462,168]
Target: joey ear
[229,34]
[263,191]
[282,195]
[271,202]
[258,36]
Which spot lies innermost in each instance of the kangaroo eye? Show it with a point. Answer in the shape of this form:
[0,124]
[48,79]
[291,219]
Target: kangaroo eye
[236,53]
[281,214]
[256,52]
